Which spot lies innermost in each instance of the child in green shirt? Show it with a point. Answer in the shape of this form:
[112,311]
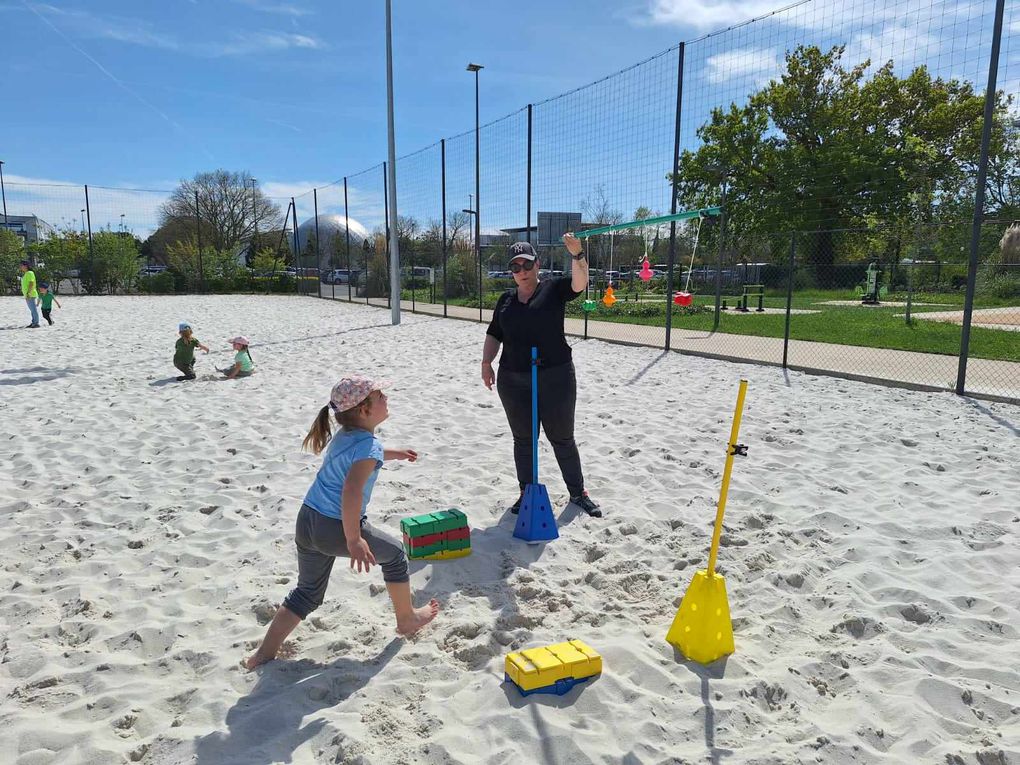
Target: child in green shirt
[46,300]
[243,364]
[184,352]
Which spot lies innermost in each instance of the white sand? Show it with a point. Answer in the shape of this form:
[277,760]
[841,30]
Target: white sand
[871,553]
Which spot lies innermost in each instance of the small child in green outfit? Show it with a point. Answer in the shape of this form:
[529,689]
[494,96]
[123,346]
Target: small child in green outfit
[243,364]
[46,300]
[184,352]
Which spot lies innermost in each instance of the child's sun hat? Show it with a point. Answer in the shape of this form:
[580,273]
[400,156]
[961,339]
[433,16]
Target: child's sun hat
[353,390]
[239,340]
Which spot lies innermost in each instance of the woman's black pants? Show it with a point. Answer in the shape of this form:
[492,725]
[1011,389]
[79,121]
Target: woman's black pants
[557,396]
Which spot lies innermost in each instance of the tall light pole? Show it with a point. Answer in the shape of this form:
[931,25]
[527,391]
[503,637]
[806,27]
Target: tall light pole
[122,222]
[394,238]
[83,220]
[478,199]
[2,192]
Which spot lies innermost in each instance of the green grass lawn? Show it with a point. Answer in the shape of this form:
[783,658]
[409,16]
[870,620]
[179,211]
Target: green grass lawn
[845,325]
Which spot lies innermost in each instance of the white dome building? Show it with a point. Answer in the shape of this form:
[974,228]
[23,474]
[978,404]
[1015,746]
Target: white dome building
[332,237]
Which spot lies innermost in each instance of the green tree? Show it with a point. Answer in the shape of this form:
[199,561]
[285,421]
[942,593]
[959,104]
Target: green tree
[218,268]
[113,263]
[12,252]
[825,148]
[58,255]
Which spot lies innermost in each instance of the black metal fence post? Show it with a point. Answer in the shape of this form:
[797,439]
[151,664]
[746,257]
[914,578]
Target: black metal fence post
[673,194]
[347,227]
[318,257]
[719,264]
[297,248]
[198,234]
[92,252]
[442,148]
[527,226]
[979,197]
[789,295]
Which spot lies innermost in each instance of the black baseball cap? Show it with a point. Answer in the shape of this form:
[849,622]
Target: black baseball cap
[521,250]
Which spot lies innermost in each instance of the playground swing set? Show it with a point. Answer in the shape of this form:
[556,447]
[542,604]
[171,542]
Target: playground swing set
[683,297]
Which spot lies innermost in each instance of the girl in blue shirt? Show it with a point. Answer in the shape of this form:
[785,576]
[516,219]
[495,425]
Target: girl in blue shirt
[332,521]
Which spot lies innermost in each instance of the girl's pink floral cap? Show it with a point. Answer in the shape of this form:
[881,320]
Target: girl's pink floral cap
[351,391]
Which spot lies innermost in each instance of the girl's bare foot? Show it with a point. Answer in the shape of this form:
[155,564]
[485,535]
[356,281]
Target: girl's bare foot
[257,659]
[418,619]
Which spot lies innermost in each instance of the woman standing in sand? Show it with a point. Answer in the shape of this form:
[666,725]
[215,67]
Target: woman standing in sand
[529,316]
[332,522]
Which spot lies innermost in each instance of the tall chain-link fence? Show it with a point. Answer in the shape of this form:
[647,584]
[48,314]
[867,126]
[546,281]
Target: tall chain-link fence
[866,172]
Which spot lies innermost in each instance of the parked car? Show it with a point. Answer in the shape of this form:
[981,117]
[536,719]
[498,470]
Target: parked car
[151,270]
[341,276]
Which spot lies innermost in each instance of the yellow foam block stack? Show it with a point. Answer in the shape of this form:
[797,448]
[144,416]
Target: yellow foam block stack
[554,668]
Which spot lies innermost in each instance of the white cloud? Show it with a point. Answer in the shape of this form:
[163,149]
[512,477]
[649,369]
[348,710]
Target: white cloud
[285,9]
[707,14]
[711,15]
[756,64]
[135,31]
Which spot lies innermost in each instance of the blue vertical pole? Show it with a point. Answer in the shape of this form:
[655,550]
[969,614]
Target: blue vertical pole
[534,415]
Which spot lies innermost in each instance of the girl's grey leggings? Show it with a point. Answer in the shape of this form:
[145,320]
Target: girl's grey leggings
[320,540]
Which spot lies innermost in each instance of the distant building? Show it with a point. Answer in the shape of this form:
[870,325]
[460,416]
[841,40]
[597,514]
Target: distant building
[30,228]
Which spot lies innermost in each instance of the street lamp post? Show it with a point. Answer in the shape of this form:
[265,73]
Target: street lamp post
[3,193]
[83,220]
[478,199]
[122,222]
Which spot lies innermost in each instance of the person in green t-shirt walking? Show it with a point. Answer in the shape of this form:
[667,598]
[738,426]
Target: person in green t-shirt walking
[29,291]
[46,300]
[184,352]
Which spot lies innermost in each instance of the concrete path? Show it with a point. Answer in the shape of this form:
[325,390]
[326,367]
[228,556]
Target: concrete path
[909,368]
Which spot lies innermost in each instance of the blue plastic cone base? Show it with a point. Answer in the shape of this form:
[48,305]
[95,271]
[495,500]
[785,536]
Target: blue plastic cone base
[535,522]
[559,688]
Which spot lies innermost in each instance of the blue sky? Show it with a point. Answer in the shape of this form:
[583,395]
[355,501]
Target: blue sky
[114,92]
[137,94]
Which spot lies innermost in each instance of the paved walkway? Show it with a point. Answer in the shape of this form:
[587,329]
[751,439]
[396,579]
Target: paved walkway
[925,370]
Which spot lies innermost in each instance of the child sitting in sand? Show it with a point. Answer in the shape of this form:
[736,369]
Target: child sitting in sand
[184,351]
[332,522]
[243,364]
[46,300]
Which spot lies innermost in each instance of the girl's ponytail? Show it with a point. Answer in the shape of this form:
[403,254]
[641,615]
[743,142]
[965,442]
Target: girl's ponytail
[320,434]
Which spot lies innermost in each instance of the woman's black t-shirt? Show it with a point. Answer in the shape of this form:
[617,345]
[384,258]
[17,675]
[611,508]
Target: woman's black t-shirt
[539,322]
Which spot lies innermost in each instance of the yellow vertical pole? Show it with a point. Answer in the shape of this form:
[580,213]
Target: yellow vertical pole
[730,451]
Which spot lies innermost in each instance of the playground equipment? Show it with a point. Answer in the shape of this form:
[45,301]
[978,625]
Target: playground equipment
[588,306]
[535,522]
[553,668]
[749,291]
[684,296]
[702,630]
[646,270]
[872,292]
[436,536]
[609,298]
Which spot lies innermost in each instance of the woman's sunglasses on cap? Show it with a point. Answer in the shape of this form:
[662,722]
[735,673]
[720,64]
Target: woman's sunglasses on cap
[527,265]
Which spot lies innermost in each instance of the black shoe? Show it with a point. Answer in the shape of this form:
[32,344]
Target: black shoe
[50,321]
[587,504]
[515,508]
[32,326]
[181,378]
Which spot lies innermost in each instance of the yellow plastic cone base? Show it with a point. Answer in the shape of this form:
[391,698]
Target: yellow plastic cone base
[702,630]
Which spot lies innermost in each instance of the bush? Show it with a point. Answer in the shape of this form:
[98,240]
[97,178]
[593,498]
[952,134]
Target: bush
[999,285]
[157,284]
